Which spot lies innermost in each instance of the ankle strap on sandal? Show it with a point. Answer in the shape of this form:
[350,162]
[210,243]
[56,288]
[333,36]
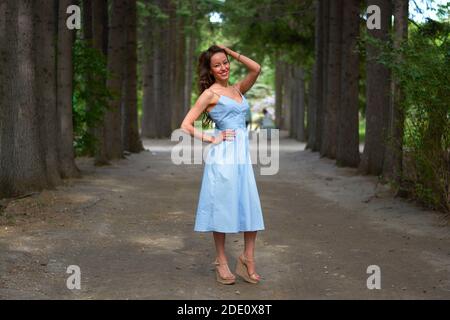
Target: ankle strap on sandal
[244,258]
[217,263]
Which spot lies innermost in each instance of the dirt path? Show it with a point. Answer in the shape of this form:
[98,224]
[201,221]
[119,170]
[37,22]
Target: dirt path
[129,227]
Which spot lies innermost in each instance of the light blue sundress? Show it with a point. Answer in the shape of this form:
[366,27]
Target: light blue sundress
[229,200]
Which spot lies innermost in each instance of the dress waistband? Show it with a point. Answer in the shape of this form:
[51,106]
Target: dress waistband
[231,127]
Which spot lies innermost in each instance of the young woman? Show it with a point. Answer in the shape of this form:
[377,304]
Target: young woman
[229,200]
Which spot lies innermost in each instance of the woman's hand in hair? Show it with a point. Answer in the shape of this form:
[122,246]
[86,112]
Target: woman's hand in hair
[221,46]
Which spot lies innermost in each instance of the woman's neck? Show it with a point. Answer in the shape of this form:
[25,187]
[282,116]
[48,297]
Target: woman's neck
[222,83]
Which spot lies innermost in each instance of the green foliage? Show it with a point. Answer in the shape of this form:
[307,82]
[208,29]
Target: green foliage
[261,30]
[421,66]
[90,95]
[269,27]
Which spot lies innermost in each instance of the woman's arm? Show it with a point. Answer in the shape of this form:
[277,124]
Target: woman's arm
[205,99]
[200,105]
[254,69]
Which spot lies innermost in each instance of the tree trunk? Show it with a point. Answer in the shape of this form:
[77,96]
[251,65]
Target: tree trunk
[131,139]
[148,123]
[166,99]
[64,94]
[22,160]
[328,146]
[190,61]
[347,153]
[378,87]
[99,32]
[316,88]
[44,36]
[159,74]
[287,98]
[309,107]
[116,53]
[278,93]
[179,71]
[2,62]
[392,165]
[87,20]
[293,97]
[324,79]
[299,80]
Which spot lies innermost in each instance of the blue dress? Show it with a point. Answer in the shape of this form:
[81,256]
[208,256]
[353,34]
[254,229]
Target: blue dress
[229,200]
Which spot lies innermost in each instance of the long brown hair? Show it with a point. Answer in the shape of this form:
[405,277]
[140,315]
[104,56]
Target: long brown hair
[205,78]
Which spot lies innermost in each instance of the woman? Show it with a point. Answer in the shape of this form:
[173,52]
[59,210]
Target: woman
[229,200]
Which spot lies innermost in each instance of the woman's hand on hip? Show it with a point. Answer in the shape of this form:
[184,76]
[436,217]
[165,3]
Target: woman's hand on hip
[225,135]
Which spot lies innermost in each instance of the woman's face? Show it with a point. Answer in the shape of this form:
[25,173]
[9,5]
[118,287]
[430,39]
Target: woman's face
[220,66]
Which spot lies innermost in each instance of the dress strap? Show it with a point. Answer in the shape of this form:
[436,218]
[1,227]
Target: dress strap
[214,92]
[240,93]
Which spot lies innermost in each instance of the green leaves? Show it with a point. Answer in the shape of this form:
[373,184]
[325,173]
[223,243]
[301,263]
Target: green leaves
[90,95]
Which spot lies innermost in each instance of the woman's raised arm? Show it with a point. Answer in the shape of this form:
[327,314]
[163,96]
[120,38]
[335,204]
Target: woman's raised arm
[254,69]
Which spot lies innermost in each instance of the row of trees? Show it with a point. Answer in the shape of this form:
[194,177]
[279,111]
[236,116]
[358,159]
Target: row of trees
[376,58]
[66,92]
[338,64]
[112,32]
[53,78]
[37,88]
[334,109]
[36,148]
[169,44]
[60,88]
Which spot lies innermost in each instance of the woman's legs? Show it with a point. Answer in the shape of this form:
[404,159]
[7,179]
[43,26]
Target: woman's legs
[249,251]
[219,240]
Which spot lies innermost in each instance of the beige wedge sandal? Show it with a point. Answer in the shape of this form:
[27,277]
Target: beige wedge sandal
[242,270]
[219,278]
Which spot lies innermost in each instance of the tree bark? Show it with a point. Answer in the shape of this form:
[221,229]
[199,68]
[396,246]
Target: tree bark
[116,52]
[321,107]
[22,160]
[44,36]
[309,106]
[2,62]
[287,98]
[392,165]
[378,87]
[64,94]
[278,93]
[190,61]
[179,70]
[131,139]
[347,153]
[328,146]
[148,123]
[166,99]
[159,74]
[87,20]
[99,33]
[293,98]
[299,80]
[316,88]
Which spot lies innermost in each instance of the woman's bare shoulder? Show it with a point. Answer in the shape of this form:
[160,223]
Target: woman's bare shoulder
[208,97]
[238,86]
[206,94]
